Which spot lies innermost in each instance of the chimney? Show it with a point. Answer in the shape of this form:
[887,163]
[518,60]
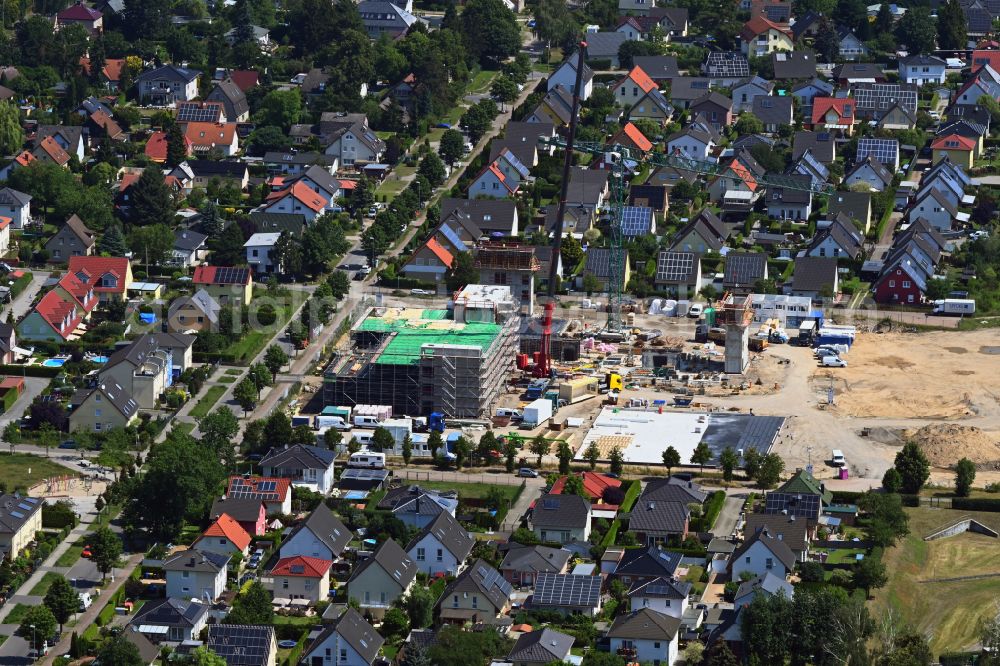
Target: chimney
[191,561]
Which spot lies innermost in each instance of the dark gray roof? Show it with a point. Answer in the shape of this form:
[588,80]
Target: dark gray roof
[645,624]
[71,133]
[842,232]
[240,509]
[560,511]
[586,186]
[658,68]
[315,81]
[298,456]
[777,547]
[604,45]
[599,261]
[768,584]
[794,64]
[184,239]
[728,64]
[221,168]
[416,501]
[16,510]
[242,644]
[11,197]
[805,22]
[522,141]
[196,560]
[170,72]
[354,629]
[652,515]
[855,205]
[654,195]
[772,110]
[539,559]
[688,88]
[135,354]
[677,267]
[489,215]
[660,586]
[858,70]
[712,98]
[541,647]
[202,301]
[744,268]
[147,651]
[232,93]
[793,531]
[449,533]
[788,195]
[323,524]
[393,560]
[882,173]
[821,85]
[171,612]
[874,99]
[563,590]
[174,340]
[708,226]
[320,176]
[276,157]
[922,60]
[650,561]
[674,489]
[822,145]
[483,578]
[814,273]
[118,397]
[293,223]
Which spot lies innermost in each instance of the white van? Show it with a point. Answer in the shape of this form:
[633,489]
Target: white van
[838,458]
[366,421]
[510,412]
[364,437]
[85,601]
[367,459]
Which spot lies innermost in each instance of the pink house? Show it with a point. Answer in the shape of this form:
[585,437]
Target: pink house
[250,513]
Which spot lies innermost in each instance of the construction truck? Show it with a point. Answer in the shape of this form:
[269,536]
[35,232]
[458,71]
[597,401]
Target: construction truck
[612,381]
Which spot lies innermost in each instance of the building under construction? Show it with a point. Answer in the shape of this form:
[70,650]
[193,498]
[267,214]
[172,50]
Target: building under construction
[421,361]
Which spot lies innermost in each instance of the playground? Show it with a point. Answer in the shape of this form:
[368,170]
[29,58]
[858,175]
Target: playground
[23,470]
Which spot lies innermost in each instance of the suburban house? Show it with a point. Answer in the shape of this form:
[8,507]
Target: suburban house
[259,248]
[71,240]
[716,108]
[441,547]
[561,518]
[349,641]
[871,172]
[522,565]
[746,90]
[381,17]
[492,183]
[856,206]
[760,36]
[68,138]
[196,574]
[958,149]
[802,495]
[725,68]
[320,181]
[829,113]
[300,577]
[307,466]
[632,138]
[839,239]
[807,91]
[654,105]
[478,594]
[743,270]
[655,521]
[540,648]
[274,493]
[815,277]
[80,14]
[171,620]
[20,519]
[565,76]
[932,205]
[247,511]
[704,233]
[638,565]
[766,585]
[630,88]
[569,594]
[224,536]
[773,112]
[850,47]
[232,172]
[193,313]
[110,277]
[737,187]
[168,84]
[922,69]
[321,535]
[598,264]
[214,138]
[488,216]
[417,507]
[102,408]
[759,554]
[790,203]
[678,273]
[297,198]
[225,284]
[794,65]
[382,578]
[58,314]
[189,248]
[15,205]
[645,636]
[143,368]
[232,99]
[8,343]
[692,141]
[348,138]
[663,595]
[243,644]
[795,531]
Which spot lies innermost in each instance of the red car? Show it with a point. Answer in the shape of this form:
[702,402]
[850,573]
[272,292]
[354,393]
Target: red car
[86,551]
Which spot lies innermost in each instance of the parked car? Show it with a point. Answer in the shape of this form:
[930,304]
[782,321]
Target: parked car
[833,362]
[695,310]
[822,353]
[527,473]
[421,292]
[86,551]
[68,444]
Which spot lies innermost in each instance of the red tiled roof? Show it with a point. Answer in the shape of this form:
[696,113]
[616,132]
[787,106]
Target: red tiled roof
[963,142]
[208,275]
[745,175]
[637,137]
[113,69]
[54,309]
[640,78]
[207,135]
[54,150]
[107,123]
[245,79]
[348,185]
[982,57]
[25,158]
[440,252]
[281,486]
[759,25]
[844,106]
[12,382]
[80,290]
[301,565]
[227,527]
[303,193]
[100,266]
[78,12]
[593,483]
[5,221]
[128,180]
[156,146]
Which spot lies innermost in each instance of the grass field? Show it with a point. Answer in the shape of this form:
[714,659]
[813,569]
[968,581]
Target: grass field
[844,555]
[14,470]
[234,372]
[72,555]
[468,490]
[395,184]
[17,614]
[183,428]
[207,401]
[227,379]
[694,577]
[948,612]
[44,584]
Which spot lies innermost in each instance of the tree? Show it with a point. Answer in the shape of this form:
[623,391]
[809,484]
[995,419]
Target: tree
[701,455]
[573,485]
[454,646]
[591,284]
[752,460]
[913,467]
[771,467]
[106,549]
[119,650]
[617,461]
[462,449]
[275,359]
[909,649]
[965,474]
[278,427]
[37,626]
[720,655]
[462,272]
[419,607]
[565,455]
[671,459]
[892,482]
[382,440]
[509,453]
[434,442]
[153,244]
[203,656]
[539,447]
[227,248]
[486,446]
[252,606]
[490,30]
[884,21]
[395,624]
[432,168]
[504,89]
[246,395]
[279,108]
[11,134]
[333,439]
[827,42]
[870,574]
[452,146]
[177,145]
[112,241]
[887,521]
[571,253]
[592,455]
[62,600]
[748,123]
[916,30]
[595,658]
[767,623]
[728,460]
[150,199]
[407,448]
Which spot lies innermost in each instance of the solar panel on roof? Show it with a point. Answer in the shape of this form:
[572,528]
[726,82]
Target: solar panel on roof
[885,151]
[550,504]
[636,220]
[567,590]
[674,266]
[17,514]
[197,113]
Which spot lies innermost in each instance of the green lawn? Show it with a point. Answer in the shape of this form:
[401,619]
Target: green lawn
[694,577]
[70,557]
[481,82]
[23,470]
[844,556]
[395,184]
[227,380]
[234,372]
[468,490]
[17,614]
[207,401]
[183,428]
[44,584]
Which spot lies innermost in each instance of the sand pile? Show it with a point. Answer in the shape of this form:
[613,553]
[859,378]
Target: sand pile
[945,444]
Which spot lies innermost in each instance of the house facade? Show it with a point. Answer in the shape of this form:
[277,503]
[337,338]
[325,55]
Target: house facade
[195,574]
[20,519]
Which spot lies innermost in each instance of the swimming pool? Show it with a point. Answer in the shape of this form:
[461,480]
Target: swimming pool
[98,359]
[54,362]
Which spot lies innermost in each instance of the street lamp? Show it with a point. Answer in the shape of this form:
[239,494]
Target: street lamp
[33,639]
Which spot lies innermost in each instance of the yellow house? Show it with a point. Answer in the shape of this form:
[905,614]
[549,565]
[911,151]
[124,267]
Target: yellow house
[599,265]
[20,518]
[105,408]
[226,284]
[110,277]
[301,577]
[760,36]
[961,150]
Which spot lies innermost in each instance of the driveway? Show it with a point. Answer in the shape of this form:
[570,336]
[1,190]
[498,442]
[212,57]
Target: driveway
[725,524]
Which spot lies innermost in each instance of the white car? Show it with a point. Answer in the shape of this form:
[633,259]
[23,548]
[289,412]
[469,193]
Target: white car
[421,292]
[695,311]
[833,362]
[822,352]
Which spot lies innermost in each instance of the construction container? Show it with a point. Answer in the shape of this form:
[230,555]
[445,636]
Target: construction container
[578,389]
[757,344]
[537,413]
[522,361]
[709,316]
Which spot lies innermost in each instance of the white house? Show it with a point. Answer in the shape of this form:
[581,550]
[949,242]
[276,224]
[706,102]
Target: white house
[196,574]
[922,69]
[259,248]
[296,199]
[761,554]
[645,636]
[350,641]
[871,172]
[441,547]
[15,205]
[934,206]
[320,535]
[224,537]
[691,142]
[663,595]
[561,518]
[307,466]
[565,76]
[491,183]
